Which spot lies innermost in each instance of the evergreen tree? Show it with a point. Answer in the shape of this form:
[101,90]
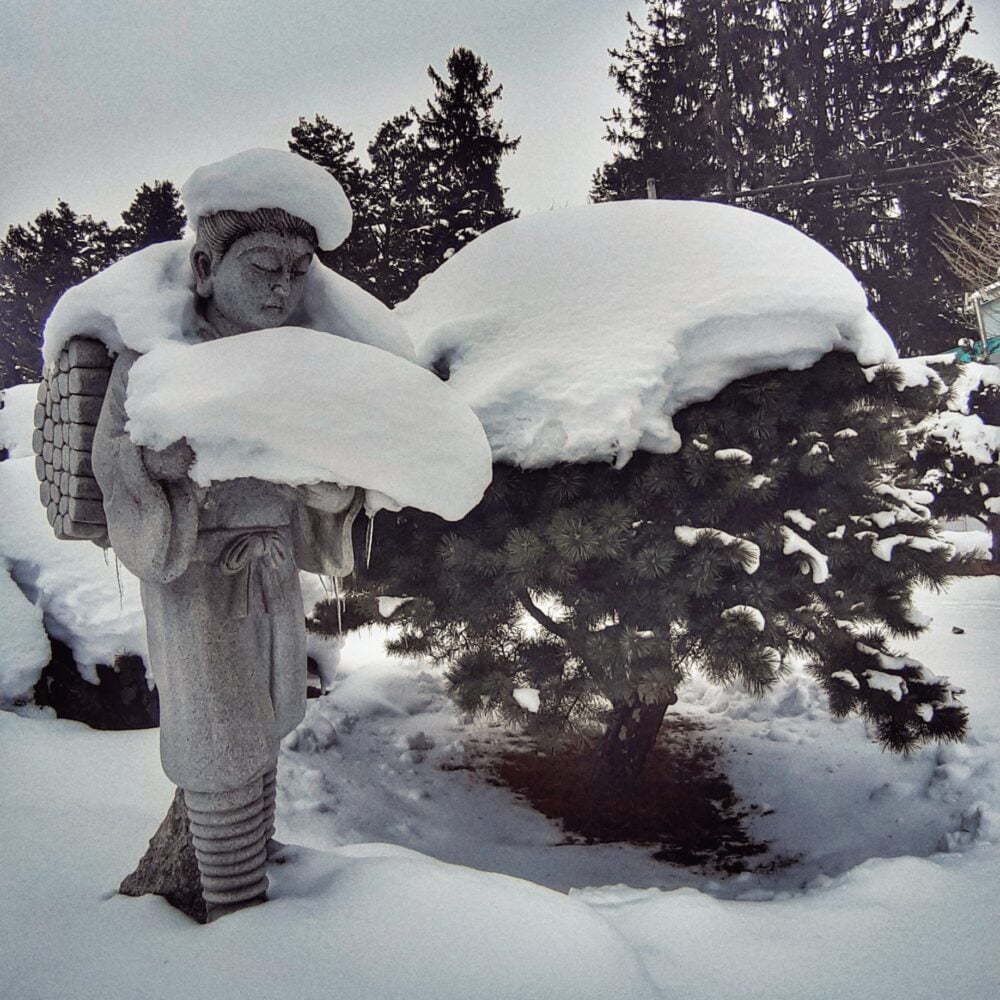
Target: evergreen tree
[874,85]
[954,451]
[399,211]
[970,239]
[697,120]
[461,145]
[772,533]
[728,96]
[155,216]
[38,262]
[333,149]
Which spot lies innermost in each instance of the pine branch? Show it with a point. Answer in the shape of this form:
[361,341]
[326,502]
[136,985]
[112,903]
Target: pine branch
[568,635]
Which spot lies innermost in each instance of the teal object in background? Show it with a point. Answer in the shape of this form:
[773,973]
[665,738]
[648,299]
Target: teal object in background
[990,354]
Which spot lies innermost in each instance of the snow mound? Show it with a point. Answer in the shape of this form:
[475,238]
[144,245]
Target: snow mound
[271,178]
[17,410]
[358,922]
[82,597]
[297,406]
[148,298]
[24,646]
[576,335]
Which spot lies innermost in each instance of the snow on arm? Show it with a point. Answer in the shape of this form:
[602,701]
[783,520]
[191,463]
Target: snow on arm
[296,406]
[795,544]
[148,298]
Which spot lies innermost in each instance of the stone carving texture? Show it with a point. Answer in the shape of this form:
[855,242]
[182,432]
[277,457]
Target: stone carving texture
[218,567]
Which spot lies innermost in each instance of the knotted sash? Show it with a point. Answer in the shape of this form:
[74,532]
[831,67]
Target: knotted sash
[254,559]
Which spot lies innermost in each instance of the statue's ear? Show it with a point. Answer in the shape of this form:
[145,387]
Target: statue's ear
[201,265]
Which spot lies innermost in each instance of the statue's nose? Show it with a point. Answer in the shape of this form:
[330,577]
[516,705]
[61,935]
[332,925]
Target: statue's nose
[280,286]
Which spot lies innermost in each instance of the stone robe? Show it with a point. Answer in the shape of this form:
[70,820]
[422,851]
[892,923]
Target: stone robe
[224,616]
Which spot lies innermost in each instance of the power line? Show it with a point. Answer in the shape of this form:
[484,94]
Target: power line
[887,177]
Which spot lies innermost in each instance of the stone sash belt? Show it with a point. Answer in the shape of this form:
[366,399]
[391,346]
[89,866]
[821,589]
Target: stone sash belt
[255,560]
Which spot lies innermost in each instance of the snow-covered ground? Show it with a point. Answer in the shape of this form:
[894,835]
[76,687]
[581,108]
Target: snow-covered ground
[410,878]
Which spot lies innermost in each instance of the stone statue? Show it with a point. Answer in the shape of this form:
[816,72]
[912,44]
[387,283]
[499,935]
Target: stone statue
[218,557]
[218,567]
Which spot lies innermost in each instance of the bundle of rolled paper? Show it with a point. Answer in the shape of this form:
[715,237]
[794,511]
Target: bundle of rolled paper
[69,404]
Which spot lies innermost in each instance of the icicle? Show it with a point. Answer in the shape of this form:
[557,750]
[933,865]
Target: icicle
[118,579]
[336,593]
[369,538]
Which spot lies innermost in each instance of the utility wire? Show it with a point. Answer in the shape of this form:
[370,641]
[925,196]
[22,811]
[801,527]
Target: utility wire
[892,175]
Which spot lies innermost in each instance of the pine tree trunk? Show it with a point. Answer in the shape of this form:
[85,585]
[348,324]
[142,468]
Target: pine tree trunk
[169,867]
[993,523]
[625,747]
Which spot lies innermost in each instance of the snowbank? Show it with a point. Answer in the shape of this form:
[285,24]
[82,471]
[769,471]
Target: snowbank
[148,298]
[297,406]
[576,335]
[17,408]
[357,923]
[71,587]
[428,915]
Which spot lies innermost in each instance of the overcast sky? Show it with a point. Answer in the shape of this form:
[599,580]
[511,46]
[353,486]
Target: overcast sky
[98,96]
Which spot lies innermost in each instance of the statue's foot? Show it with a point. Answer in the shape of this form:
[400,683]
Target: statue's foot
[215,910]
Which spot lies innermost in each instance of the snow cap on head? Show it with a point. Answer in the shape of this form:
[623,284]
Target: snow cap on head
[271,178]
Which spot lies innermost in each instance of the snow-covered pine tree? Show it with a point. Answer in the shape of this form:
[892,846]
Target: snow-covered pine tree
[155,216]
[38,262]
[726,96]
[332,148]
[697,120]
[954,451]
[774,532]
[868,86]
[462,145]
[398,208]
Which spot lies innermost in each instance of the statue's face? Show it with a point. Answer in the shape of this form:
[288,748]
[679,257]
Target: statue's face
[259,282]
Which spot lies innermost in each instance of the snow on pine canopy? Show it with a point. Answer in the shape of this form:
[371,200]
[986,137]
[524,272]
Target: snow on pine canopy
[296,406]
[576,335]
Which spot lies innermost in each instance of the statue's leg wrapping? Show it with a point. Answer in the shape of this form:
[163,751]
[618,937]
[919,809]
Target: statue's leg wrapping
[229,831]
[270,791]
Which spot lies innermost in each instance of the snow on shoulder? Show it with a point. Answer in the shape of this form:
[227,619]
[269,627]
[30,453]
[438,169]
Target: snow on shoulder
[148,298]
[576,335]
[296,406]
[271,178]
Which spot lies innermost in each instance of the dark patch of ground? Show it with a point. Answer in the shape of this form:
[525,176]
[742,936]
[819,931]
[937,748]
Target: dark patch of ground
[684,805]
[977,567]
